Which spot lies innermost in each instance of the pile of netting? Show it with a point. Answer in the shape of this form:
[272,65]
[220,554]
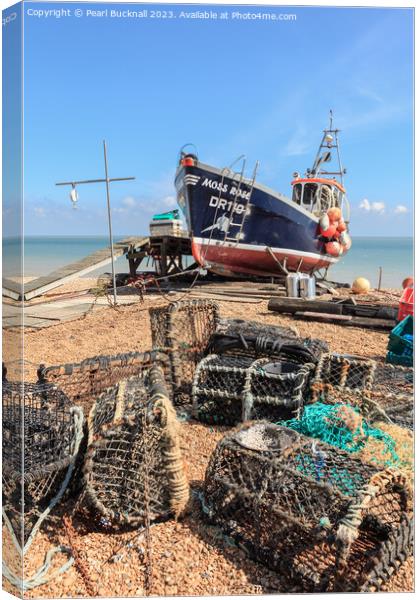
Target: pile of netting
[343,426]
[42,433]
[182,330]
[229,388]
[83,382]
[318,515]
[134,468]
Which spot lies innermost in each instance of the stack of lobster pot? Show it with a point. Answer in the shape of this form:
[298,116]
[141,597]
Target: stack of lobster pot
[254,372]
[322,518]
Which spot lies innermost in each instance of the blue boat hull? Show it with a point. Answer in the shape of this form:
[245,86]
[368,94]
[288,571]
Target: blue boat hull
[246,233]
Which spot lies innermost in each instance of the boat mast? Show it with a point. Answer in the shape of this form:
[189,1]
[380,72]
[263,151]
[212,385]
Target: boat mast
[329,141]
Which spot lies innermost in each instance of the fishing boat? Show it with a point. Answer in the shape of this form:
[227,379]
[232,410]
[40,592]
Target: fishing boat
[239,226]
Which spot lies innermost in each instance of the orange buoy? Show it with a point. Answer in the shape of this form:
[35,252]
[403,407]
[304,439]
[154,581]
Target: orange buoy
[330,232]
[341,226]
[333,248]
[408,282]
[361,285]
[334,214]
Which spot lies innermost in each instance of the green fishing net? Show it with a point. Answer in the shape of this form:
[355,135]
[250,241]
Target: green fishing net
[342,426]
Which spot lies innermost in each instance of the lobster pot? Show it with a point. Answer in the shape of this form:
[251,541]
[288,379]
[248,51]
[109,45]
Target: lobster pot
[343,378]
[84,381]
[323,519]
[182,330]
[41,437]
[393,392]
[134,469]
[228,389]
[254,344]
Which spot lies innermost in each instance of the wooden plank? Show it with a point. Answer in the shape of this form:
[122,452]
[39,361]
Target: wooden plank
[379,323]
[346,320]
[239,292]
[227,298]
[14,294]
[319,316]
[293,305]
[57,278]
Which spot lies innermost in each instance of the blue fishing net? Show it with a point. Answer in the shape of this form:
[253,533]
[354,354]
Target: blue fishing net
[342,426]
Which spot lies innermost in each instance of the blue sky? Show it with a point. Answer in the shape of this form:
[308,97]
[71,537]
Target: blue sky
[262,88]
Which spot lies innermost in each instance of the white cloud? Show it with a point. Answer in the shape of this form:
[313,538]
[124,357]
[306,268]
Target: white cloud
[400,209]
[40,211]
[129,201]
[378,207]
[127,205]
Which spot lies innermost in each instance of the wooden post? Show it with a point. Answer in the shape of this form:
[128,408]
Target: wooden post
[380,279]
[163,257]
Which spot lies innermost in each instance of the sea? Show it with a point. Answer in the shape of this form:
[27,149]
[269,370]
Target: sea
[44,254]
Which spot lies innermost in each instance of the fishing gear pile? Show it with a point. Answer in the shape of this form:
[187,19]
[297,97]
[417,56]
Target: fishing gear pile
[182,330]
[316,483]
[318,515]
[134,467]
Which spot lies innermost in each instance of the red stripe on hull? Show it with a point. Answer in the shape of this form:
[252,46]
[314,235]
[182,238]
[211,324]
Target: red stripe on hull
[230,260]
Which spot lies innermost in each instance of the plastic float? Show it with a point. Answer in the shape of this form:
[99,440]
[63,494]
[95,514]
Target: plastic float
[333,232]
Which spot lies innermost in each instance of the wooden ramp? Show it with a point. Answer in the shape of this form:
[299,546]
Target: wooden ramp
[97,259]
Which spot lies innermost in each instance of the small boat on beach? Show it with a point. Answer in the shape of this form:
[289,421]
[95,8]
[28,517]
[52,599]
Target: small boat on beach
[239,226]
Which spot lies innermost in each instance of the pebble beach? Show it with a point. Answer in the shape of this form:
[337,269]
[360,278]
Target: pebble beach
[190,557]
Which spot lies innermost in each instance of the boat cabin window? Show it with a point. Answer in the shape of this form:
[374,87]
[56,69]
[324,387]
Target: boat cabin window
[317,197]
[297,193]
[309,194]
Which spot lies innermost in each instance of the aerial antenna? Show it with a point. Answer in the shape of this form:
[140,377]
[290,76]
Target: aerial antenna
[331,119]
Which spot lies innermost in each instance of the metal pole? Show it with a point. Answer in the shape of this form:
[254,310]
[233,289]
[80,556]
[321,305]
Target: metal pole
[380,279]
[110,225]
